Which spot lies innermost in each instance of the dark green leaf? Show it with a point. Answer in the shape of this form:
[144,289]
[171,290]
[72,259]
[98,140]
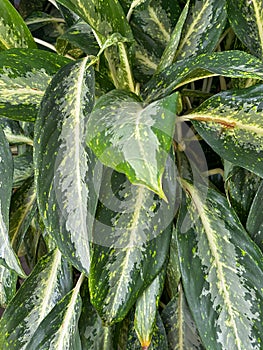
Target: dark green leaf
[59,329]
[246,18]
[7,255]
[66,202]
[47,284]
[232,124]
[234,64]
[13,30]
[255,220]
[132,139]
[24,77]
[222,270]
[173,274]
[23,168]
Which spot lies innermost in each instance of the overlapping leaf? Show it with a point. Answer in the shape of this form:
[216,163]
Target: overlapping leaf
[234,64]
[47,284]
[132,139]
[7,255]
[231,123]
[13,30]
[66,201]
[222,272]
[24,77]
[132,234]
[246,18]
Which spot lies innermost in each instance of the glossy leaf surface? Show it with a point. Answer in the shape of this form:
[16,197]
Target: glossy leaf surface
[231,123]
[222,272]
[13,30]
[7,255]
[8,279]
[47,284]
[131,244]
[65,201]
[234,64]
[246,18]
[132,139]
[24,77]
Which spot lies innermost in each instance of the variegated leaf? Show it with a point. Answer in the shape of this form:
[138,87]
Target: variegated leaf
[132,139]
[179,325]
[231,123]
[246,18]
[8,280]
[146,310]
[7,255]
[47,284]
[254,223]
[234,64]
[13,30]
[24,77]
[66,202]
[59,329]
[131,236]
[222,273]
[202,29]
[23,208]
[23,168]
[173,274]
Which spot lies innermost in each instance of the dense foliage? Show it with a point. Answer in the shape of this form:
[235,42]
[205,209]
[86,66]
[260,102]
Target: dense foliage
[131,162]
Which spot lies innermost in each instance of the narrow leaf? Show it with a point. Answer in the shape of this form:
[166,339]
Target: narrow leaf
[66,202]
[8,280]
[231,123]
[47,284]
[222,272]
[24,77]
[131,245]
[246,18]
[7,255]
[234,64]
[131,139]
[13,32]
[59,329]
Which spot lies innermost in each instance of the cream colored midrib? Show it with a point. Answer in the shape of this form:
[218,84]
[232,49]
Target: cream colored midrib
[259,24]
[159,24]
[50,284]
[144,59]
[218,265]
[132,229]
[22,91]
[247,127]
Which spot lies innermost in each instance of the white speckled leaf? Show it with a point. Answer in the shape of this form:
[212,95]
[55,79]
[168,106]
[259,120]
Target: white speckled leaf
[66,200]
[48,283]
[13,30]
[24,77]
[222,273]
[7,255]
[8,280]
[59,329]
[234,64]
[132,139]
[246,18]
[231,122]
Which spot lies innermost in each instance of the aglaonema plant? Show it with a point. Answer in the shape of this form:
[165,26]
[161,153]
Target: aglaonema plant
[131,159]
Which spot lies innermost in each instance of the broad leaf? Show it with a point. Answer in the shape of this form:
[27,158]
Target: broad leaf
[132,235]
[132,139]
[66,202]
[234,64]
[232,124]
[47,284]
[24,77]
[59,329]
[146,310]
[246,18]
[8,280]
[179,325]
[13,30]
[202,29]
[7,255]
[23,208]
[254,223]
[222,271]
